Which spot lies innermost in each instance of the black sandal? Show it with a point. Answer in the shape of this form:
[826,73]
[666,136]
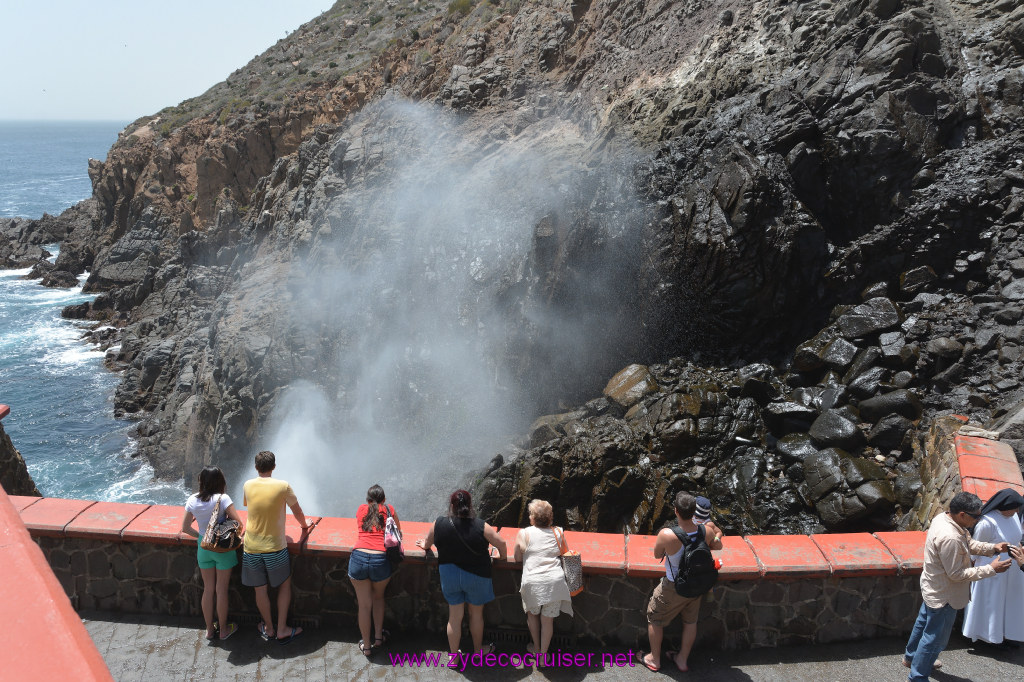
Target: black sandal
[382,640]
[367,650]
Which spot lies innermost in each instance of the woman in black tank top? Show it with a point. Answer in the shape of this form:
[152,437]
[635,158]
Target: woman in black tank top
[464,562]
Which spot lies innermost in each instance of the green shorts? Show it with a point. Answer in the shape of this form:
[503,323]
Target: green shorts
[222,561]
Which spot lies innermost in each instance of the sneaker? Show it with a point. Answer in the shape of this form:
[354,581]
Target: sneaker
[937,665]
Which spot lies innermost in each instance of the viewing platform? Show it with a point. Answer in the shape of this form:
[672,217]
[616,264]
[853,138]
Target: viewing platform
[129,567]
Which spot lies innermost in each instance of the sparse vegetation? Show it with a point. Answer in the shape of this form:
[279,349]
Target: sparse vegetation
[326,42]
[232,106]
[460,7]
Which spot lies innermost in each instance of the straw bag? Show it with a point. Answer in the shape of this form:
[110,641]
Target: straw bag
[223,536]
[572,565]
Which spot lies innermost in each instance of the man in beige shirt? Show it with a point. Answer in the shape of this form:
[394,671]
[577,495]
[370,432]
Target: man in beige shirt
[946,581]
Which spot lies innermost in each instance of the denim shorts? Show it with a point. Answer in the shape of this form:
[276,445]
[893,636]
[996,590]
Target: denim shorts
[368,566]
[459,586]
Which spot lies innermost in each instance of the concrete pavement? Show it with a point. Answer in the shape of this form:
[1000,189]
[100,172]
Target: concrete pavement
[155,648]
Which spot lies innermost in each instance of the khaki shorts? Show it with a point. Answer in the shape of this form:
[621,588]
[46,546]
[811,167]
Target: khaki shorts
[666,604]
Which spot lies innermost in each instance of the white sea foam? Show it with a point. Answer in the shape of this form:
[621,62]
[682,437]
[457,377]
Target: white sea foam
[58,360]
[14,274]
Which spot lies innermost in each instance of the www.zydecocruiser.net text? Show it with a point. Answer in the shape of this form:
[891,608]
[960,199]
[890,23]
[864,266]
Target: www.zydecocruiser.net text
[558,659]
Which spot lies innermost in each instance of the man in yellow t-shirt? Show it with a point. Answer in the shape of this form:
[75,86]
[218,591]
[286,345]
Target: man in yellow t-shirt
[265,556]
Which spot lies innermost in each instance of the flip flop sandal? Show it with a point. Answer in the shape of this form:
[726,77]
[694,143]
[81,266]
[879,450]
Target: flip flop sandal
[262,628]
[232,629]
[649,666]
[296,631]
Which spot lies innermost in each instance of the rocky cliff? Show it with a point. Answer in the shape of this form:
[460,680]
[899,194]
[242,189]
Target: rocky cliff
[14,476]
[798,220]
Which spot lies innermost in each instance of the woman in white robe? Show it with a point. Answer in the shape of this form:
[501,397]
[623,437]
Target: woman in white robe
[995,613]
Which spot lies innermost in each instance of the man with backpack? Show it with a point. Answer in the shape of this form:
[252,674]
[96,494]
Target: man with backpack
[690,571]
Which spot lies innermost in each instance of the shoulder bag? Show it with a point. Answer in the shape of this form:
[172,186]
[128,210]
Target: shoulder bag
[224,536]
[572,564]
[392,539]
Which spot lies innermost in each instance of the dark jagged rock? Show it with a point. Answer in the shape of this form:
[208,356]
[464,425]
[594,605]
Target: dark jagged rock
[795,447]
[902,402]
[833,428]
[59,279]
[630,385]
[838,354]
[891,433]
[915,281]
[872,316]
[14,476]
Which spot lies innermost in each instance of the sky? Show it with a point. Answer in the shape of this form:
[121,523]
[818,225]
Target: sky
[116,61]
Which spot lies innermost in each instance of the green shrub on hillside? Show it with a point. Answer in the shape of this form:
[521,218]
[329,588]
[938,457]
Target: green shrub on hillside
[460,7]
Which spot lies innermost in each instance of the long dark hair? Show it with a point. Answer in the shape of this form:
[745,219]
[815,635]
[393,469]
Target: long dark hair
[211,482]
[373,519]
[461,504]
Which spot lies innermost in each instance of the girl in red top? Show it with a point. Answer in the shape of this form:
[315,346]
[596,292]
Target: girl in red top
[369,568]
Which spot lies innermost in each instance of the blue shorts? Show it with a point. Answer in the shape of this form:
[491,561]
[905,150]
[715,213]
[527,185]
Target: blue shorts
[368,566]
[459,586]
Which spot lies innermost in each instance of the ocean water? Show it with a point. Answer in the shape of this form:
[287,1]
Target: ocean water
[60,394]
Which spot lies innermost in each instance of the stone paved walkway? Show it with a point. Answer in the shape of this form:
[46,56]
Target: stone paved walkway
[161,648]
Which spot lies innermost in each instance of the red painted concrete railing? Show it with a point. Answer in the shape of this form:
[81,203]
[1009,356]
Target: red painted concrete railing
[761,556]
[46,638]
[985,466]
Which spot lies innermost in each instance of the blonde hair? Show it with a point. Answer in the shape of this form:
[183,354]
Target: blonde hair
[541,513]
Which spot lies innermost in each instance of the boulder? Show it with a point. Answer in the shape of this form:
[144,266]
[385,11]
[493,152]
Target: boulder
[907,488]
[915,281]
[795,447]
[945,348]
[891,344]
[867,384]
[890,433]
[834,428]
[59,279]
[857,471]
[838,354]
[873,316]
[755,382]
[874,291]
[786,417]
[877,495]
[1014,291]
[551,426]
[823,472]
[901,401]
[630,385]
[864,361]
[840,508]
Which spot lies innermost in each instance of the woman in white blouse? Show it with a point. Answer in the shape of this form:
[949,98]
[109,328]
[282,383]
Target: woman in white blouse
[544,591]
[215,567]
